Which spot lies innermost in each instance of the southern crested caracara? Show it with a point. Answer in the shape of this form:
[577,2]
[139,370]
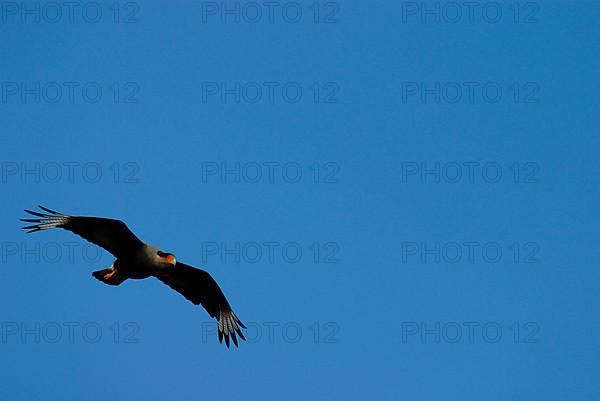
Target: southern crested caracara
[138,260]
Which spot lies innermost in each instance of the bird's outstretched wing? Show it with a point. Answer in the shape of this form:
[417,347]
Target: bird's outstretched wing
[112,235]
[201,289]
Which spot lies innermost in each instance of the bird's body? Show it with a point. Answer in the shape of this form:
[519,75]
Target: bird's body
[138,260]
[139,264]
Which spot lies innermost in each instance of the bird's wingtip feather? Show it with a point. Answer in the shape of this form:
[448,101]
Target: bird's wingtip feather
[49,210]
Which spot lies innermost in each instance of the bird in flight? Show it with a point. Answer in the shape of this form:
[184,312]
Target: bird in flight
[138,260]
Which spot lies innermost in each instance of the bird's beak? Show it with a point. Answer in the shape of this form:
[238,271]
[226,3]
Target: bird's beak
[170,259]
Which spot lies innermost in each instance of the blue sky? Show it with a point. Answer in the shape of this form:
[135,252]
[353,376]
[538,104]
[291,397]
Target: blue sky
[399,199]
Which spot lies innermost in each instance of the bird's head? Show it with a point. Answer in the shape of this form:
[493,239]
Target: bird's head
[166,259]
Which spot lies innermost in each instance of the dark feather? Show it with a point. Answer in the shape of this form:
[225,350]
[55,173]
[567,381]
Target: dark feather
[49,211]
[112,235]
[200,288]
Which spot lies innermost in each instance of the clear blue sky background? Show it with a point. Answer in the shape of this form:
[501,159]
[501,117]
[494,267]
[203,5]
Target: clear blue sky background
[356,315]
